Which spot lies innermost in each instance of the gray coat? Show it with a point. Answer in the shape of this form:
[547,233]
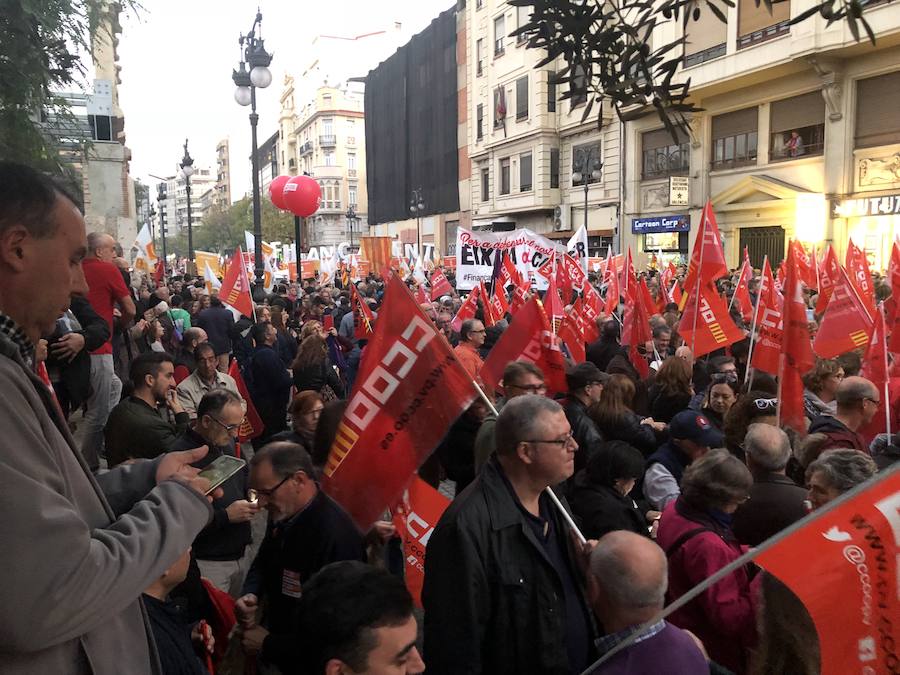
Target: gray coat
[77,551]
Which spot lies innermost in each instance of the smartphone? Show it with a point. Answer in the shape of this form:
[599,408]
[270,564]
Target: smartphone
[221,470]
[328,322]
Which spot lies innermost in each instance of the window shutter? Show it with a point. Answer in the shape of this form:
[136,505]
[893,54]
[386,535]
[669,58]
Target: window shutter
[522,97]
[752,18]
[737,122]
[797,112]
[705,33]
[661,138]
[877,105]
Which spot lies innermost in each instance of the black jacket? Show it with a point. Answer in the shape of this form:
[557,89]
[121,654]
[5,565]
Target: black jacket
[218,323]
[313,378]
[494,602]
[584,430]
[602,509]
[601,352]
[270,388]
[775,503]
[839,436]
[293,551]
[628,428]
[221,539]
[135,430]
[664,406]
[456,451]
[75,375]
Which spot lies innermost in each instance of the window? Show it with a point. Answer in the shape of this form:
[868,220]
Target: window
[578,85]
[479,122]
[351,160]
[734,139]
[551,91]
[586,160]
[522,98]
[351,195]
[705,38]
[479,4]
[485,184]
[326,100]
[798,126]
[499,107]
[554,167]
[331,194]
[523,16]
[756,24]
[504,176]
[329,158]
[327,126]
[499,34]
[525,172]
[662,156]
[451,227]
[877,102]
[101,127]
[479,57]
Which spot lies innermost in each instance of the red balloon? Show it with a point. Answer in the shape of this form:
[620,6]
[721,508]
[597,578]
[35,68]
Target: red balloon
[276,191]
[302,195]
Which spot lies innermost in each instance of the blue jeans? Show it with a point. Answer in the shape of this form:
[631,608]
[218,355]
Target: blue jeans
[106,389]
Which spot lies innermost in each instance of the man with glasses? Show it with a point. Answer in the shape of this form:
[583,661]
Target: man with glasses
[585,383]
[857,402]
[471,336]
[519,378]
[205,378]
[219,549]
[503,592]
[307,530]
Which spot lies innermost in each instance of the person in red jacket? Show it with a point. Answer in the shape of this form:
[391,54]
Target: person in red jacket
[695,532]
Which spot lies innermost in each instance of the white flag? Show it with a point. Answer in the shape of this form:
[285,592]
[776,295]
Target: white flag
[578,247]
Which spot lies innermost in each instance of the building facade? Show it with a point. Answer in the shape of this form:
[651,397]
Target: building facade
[324,137]
[267,161]
[799,138]
[533,162]
[222,195]
[172,210]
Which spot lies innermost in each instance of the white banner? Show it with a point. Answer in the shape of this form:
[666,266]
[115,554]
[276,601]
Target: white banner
[476,252]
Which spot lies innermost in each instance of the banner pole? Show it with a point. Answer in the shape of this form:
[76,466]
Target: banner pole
[886,393]
[753,325]
[548,489]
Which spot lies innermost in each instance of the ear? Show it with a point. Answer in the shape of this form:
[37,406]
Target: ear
[15,243]
[337,667]
[523,453]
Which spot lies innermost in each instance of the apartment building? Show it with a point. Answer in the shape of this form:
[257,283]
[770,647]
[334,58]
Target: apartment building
[324,137]
[222,195]
[534,162]
[799,138]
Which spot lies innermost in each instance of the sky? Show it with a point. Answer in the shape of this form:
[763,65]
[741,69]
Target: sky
[177,57]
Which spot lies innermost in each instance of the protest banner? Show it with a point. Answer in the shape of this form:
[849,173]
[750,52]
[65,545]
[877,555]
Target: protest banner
[476,252]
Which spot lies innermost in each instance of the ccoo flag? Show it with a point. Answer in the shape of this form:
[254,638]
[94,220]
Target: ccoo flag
[707,257]
[796,355]
[846,325]
[409,390]
[706,325]
[235,290]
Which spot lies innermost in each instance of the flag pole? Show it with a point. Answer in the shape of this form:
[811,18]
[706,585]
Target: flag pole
[753,328]
[886,393]
[548,490]
[702,235]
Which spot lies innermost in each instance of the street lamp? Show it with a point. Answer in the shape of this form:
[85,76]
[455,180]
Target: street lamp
[161,195]
[254,56]
[352,224]
[416,208]
[187,170]
[587,160]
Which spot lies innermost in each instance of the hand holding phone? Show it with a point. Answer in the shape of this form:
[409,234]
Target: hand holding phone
[221,470]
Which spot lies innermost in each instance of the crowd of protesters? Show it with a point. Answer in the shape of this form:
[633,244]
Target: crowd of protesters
[115,537]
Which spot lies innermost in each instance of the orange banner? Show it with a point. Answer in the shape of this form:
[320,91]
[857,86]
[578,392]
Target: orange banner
[377,250]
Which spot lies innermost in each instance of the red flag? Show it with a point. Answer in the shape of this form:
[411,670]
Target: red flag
[805,265]
[252,424]
[439,285]
[769,324]
[676,293]
[851,547]
[415,517]
[499,305]
[587,315]
[646,297]
[707,257]
[846,324]
[858,269]
[893,316]
[363,319]
[489,317]
[410,389]
[627,277]
[875,369]
[159,273]
[570,334]
[235,289]
[421,298]
[553,306]
[519,297]
[706,325]
[742,292]
[467,310]
[573,272]
[636,329]
[613,290]
[829,271]
[796,355]
[528,338]
[509,273]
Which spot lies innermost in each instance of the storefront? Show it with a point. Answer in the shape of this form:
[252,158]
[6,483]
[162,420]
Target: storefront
[665,236]
[872,223]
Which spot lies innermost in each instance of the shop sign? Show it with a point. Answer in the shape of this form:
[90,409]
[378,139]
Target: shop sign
[679,190]
[888,205]
[656,224]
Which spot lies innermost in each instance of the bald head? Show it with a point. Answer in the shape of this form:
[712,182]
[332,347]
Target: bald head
[102,246]
[631,571]
[852,390]
[768,447]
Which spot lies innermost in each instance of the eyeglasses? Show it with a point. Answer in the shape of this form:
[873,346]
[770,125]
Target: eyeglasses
[478,331]
[561,442]
[227,427]
[765,403]
[722,378]
[255,493]
[873,400]
[530,388]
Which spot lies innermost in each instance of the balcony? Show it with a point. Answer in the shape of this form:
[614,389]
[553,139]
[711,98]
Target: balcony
[306,148]
[327,141]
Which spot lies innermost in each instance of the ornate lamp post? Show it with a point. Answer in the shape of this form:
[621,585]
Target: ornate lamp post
[416,208]
[589,166]
[187,170]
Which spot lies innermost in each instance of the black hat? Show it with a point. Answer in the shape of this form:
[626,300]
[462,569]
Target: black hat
[583,374]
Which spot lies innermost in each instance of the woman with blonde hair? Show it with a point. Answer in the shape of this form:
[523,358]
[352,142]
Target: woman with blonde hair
[313,370]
